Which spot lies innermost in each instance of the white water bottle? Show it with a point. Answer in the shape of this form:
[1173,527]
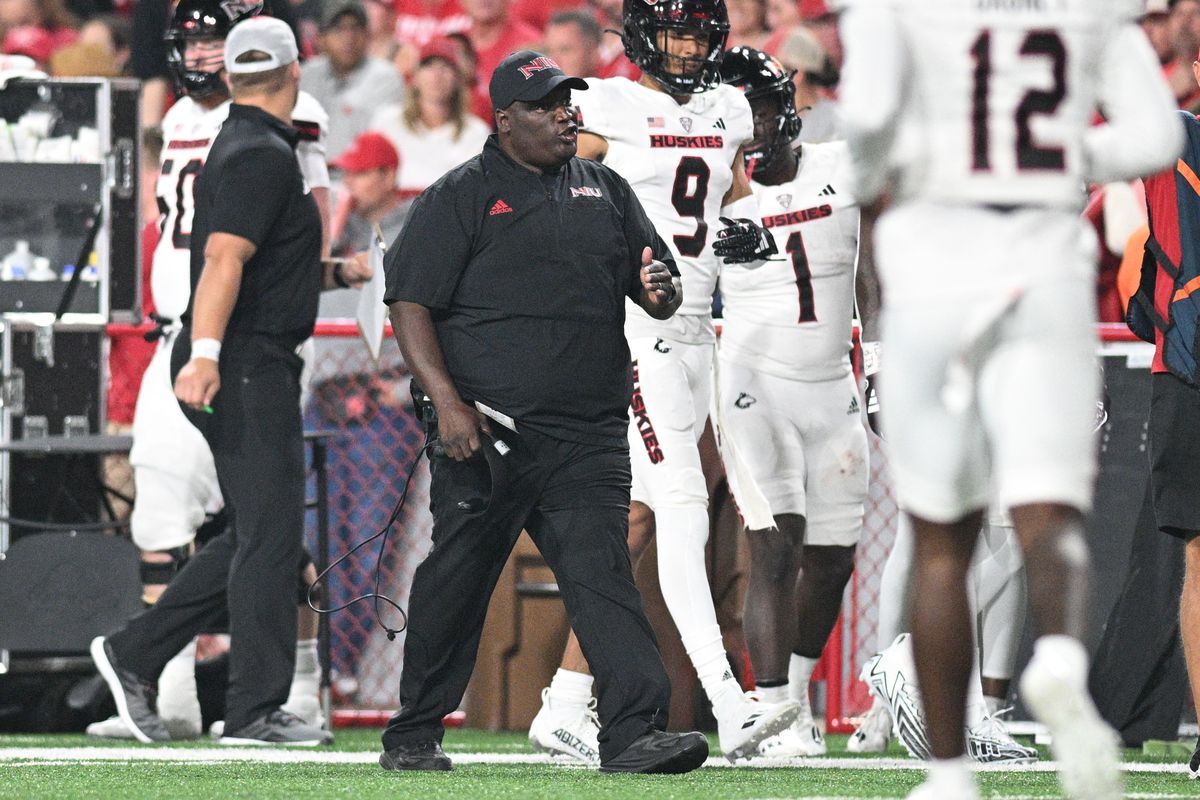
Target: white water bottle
[17,264]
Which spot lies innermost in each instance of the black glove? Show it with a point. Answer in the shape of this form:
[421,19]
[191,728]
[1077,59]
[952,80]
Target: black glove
[742,241]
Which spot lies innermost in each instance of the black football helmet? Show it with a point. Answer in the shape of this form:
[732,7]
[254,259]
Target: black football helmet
[762,78]
[645,20]
[203,19]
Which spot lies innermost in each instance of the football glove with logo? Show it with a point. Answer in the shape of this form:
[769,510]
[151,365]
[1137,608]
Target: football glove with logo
[743,241]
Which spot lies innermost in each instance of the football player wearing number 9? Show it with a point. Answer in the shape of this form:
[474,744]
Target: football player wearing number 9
[989,311]
[792,433]
[174,475]
[677,136]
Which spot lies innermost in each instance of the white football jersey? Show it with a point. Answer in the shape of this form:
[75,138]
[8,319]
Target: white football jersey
[188,133]
[792,318]
[678,159]
[1003,94]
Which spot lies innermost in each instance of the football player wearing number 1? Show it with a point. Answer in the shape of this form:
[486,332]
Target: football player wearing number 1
[989,311]
[677,136]
[792,432]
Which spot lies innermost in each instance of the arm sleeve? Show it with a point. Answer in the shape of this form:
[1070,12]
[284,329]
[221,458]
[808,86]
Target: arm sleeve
[1143,133]
[640,233]
[873,87]
[251,193]
[312,123]
[430,255]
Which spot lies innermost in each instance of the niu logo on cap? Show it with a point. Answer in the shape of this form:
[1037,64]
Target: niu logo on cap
[537,65]
[500,207]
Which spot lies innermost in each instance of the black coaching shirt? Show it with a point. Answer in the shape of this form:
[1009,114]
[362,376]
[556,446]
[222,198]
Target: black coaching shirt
[526,276]
[252,187]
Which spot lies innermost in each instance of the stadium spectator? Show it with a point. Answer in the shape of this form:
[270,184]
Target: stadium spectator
[346,81]
[823,23]
[113,33]
[747,23]
[50,16]
[494,33]
[381,29]
[537,13]
[1154,22]
[83,61]
[418,21]
[369,169]
[1184,30]
[815,76]
[782,15]
[572,39]
[432,129]
[613,62]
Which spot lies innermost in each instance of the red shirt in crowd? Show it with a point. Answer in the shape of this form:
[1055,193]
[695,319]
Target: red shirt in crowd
[516,35]
[418,21]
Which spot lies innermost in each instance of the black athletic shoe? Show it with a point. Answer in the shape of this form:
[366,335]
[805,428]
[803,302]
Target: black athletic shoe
[277,727]
[419,756]
[1194,764]
[136,699]
[660,752]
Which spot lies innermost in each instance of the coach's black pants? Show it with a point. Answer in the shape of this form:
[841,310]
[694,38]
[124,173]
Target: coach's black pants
[573,499]
[257,441]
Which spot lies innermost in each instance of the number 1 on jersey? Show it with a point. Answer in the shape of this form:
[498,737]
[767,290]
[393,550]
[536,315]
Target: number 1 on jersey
[795,249]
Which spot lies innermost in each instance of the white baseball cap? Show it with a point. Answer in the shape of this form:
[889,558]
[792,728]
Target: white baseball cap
[265,34]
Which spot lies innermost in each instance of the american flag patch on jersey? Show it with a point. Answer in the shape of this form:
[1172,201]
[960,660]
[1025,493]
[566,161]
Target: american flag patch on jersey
[656,122]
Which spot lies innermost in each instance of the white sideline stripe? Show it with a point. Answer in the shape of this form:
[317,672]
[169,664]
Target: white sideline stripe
[13,756]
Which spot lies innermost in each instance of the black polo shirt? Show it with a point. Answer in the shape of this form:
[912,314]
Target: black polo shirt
[251,186]
[527,276]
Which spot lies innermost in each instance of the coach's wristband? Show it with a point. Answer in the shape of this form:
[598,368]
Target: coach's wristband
[207,348]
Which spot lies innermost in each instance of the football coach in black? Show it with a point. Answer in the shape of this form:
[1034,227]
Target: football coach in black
[256,278]
[507,292]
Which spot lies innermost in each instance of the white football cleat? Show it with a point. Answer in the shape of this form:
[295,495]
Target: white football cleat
[989,742]
[745,722]
[1085,747]
[111,728]
[874,732]
[892,677]
[801,739]
[571,732]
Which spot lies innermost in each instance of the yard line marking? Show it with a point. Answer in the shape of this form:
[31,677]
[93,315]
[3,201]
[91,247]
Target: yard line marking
[12,756]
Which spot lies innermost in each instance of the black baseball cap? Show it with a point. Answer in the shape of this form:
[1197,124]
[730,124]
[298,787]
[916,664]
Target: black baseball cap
[528,76]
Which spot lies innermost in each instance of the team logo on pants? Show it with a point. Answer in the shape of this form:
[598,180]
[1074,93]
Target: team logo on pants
[744,400]
[661,347]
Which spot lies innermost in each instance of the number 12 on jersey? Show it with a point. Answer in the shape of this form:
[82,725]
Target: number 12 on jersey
[1036,102]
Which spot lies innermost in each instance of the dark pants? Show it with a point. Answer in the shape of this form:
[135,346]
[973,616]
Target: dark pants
[249,571]
[1175,454]
[573,499]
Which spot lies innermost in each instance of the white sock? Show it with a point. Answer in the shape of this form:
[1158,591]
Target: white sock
[800,670]
[707,653]
[570,689]
[1065,655]
[308,663]
[772,694]
[976,708]
[178,704]
[994,704]
[951,773]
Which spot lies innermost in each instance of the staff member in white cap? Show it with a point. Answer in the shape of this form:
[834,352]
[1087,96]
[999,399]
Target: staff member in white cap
[256,275]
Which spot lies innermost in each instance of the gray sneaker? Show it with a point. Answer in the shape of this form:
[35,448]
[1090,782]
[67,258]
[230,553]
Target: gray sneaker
[277,727]
[136,699]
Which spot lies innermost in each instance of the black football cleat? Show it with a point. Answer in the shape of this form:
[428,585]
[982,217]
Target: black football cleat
[426,756]
[662,753]
[136,699]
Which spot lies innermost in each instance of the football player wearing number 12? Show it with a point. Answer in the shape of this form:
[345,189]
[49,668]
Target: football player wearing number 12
[677,136]
[988,321]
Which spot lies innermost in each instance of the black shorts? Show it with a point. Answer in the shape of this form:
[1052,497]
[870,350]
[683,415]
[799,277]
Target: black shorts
[1175,455]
